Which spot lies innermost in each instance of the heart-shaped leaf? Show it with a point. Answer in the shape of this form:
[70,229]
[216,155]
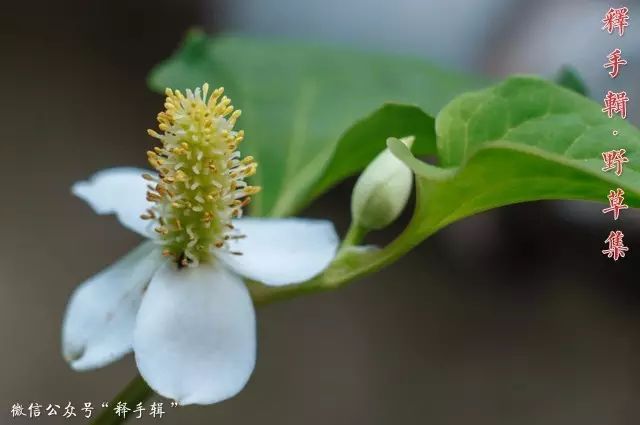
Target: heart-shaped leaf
[525,139]
[298,99]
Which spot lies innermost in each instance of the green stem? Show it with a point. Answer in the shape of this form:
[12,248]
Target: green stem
[354,236]
[136,392]
[348,266]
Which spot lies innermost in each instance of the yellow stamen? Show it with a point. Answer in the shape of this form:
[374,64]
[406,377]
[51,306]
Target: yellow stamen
[201,186]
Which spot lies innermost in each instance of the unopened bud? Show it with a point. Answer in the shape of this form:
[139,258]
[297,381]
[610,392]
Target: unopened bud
[382,190]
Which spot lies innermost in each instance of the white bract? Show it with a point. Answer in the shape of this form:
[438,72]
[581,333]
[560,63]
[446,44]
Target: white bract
[178,300]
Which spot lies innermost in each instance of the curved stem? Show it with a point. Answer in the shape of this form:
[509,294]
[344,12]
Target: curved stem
[350,264]
[354,236]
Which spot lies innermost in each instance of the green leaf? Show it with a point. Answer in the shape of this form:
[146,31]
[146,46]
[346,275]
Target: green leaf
[522,140]
[360,144]
[298,99]
[569,77]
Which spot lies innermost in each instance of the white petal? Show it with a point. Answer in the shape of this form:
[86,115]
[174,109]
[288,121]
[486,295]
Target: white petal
[195,336]
[121,191]
[100,317]
[282,251]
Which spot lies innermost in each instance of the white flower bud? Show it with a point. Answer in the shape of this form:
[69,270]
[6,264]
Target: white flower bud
[382,191]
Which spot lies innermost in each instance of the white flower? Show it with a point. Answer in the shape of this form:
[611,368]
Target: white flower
[178,300]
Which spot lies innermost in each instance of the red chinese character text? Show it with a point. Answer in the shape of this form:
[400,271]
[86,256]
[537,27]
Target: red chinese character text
[615,62]
[616,103]
[616,203]
[616,19]
[616,246]
[614,160]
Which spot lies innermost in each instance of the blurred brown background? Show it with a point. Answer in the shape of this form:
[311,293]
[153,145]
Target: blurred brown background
[510,317]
